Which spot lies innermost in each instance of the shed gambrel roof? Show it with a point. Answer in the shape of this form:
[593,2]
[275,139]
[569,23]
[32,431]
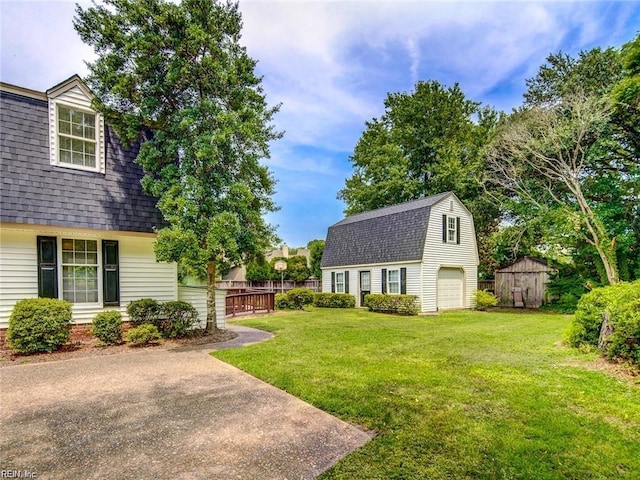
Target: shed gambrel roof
[391,234]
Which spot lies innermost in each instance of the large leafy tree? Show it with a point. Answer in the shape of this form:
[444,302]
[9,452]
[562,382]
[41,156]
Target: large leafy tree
[316,250]
[426,142]
[567,163]
[178,75]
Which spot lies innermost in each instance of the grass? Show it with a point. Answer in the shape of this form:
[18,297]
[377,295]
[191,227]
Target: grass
[462,395]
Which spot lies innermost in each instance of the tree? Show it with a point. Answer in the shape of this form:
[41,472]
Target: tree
[316,250]
[610,174]
[178,74]
[544,156]
[427,141]
[297,268]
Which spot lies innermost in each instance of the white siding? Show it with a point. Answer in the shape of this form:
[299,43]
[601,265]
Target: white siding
[18,270]
[140,275]
[438,254]
[413,278]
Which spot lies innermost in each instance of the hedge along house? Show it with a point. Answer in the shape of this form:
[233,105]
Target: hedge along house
[424,247]
[74,221]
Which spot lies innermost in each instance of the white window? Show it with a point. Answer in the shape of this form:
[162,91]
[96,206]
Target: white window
[77,137]
[452,234]
[76,131]
[393,282]
[80,270]
[340,282]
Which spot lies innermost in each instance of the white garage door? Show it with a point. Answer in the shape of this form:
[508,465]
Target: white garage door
[450,282]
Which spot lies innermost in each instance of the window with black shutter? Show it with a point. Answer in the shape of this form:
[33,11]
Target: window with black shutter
[403,281]
[111,273]
[47,267]
[346,282]
[333,282]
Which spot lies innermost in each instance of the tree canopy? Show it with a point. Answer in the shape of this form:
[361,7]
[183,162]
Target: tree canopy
[176,77]
[567,164]
[427,141]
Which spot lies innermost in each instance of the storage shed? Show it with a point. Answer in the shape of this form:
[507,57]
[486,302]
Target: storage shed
[523,283]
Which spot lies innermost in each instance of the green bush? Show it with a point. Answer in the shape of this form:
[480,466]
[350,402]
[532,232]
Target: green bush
[621,304]
[39,325]
[143,334]
[483,299]
[334,300]
[299,297]
[283,302]
[385,303]
[145,310]
[177,319]
[107,327]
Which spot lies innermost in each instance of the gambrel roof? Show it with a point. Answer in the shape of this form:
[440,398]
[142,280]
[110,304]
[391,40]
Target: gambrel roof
[386,235]
[36,192]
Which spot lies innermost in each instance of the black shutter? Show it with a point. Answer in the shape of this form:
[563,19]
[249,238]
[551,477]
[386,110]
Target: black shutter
[346,282]
[444,229]
[384,280]
[47,267]
[111,273]
[333,282]
[403,281]
[458,230]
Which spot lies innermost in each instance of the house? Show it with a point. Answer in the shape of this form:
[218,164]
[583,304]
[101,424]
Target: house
[424,247]
[74,221]
[523,283]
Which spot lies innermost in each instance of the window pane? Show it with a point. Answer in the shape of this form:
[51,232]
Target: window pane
[65,127]
[89,132]
[394,288]
[92,258]
[64,114]
[68,296]
[92,246]
[67,257]
[394,275]
[67,244]
[76,130]
[65,143]
[92,296]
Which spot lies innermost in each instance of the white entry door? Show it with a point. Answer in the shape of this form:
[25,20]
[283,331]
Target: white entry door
[450,288]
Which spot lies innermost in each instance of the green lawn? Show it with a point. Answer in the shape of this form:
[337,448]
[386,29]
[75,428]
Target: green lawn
[462,395]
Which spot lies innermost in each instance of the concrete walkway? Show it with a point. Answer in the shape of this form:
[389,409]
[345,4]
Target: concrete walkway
[161,414]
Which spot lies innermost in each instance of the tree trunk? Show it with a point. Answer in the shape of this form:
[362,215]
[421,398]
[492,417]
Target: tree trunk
[605,331]
[212,325]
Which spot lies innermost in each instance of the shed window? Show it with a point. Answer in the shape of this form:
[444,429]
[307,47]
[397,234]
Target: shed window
[340,282]
[393,282]
[450,229]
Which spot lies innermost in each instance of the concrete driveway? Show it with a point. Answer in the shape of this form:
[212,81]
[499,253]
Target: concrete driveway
[161,414]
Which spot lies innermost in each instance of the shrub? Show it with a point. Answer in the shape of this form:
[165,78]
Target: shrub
[283,302]
[483,299]
[176,319]
[143,334]
[299,297]
[107,327]
[334,300]
[401,304]
[39,325]
[145,310]
[620,303]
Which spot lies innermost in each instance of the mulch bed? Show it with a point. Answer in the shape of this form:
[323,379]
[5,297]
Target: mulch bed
[90,346]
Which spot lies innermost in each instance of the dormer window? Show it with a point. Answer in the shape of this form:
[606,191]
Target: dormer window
[76,137]
[76,132]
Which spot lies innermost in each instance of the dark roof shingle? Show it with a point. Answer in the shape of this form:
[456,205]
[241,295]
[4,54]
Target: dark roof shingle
[391,234]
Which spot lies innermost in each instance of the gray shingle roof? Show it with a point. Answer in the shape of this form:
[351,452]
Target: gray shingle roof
[391,234]
[35,192]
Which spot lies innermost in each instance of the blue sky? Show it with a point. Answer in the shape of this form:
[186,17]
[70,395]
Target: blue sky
[331,64]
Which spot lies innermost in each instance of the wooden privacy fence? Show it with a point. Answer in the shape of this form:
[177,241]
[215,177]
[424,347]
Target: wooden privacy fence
[489,285]
[252,302]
